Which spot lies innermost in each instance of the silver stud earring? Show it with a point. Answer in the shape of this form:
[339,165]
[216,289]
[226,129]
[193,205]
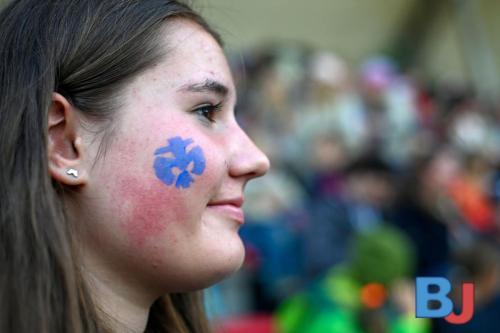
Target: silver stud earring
[72,172]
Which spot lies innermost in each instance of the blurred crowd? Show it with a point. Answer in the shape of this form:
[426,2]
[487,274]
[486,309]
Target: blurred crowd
[378,175]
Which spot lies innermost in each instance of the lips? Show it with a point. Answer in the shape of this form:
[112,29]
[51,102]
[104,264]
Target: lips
[229,208]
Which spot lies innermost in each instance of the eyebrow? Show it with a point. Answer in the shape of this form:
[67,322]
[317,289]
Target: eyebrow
[208,85]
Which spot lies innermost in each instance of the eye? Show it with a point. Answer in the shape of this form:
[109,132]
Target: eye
[208,111]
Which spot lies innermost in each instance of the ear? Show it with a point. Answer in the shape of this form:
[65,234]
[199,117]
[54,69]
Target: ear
[65,147]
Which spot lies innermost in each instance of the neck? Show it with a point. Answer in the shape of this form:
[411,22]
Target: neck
[120,307]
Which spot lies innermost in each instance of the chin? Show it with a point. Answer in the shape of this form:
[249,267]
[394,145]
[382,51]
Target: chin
[223,265]
[230,264]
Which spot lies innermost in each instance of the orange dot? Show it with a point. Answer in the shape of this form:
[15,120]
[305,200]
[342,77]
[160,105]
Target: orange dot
[373,295]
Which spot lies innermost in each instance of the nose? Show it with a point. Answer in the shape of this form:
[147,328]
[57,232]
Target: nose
[246,159]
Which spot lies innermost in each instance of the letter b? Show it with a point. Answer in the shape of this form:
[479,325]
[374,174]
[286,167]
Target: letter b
[424,296]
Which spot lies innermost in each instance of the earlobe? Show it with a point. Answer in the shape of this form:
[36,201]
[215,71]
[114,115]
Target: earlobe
[65,146]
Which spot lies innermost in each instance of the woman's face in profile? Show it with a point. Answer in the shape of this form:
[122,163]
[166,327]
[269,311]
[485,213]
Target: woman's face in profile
[163,204]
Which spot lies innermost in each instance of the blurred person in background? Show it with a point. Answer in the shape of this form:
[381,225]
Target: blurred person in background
[361,295]
[364,194]
[416,213]
[470,193]
[389,102]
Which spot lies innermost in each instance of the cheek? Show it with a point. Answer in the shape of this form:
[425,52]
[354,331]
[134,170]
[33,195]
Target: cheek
[148,210]
[151,212]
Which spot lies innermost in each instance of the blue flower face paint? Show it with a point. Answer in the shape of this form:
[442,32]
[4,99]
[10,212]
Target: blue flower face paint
[181,159]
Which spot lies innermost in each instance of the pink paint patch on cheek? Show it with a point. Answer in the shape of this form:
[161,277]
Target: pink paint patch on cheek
[148,210]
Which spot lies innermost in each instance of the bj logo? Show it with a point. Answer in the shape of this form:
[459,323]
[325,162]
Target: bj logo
[435,303]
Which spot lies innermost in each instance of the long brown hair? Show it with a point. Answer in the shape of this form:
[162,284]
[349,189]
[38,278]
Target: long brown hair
[86,50]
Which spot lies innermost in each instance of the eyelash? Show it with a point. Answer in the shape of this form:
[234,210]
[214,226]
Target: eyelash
[207,111]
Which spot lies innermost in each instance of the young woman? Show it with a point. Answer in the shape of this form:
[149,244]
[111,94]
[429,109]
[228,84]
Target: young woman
[122,166]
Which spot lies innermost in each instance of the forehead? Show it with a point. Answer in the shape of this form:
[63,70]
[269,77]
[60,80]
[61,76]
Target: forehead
[192,55]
